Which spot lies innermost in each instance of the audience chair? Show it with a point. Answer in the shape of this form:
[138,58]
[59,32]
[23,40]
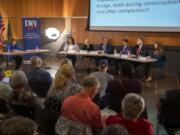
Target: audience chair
[65,126]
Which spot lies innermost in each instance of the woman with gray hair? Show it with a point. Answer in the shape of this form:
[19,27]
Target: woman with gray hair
[18,80]
[132,107]
[21,100]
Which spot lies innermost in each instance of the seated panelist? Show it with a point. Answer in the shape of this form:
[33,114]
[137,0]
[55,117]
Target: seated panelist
[158,53]
[87,59]
[125,49]
[71,46]
[140,49]
[13,46]
[105,46]
[143,51]
[87,45]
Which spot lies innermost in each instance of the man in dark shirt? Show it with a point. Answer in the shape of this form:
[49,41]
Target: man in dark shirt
[141,50]
[39,80]
[169,109]
[13,46]
[104,47]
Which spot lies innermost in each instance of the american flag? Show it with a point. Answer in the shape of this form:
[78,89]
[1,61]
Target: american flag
[2,28]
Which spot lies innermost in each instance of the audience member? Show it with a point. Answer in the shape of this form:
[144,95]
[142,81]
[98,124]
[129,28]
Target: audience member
[5,91]
[87,59]
[17,62]
[39,80]
[65,61]
[19,126]
[4,109]
[21,100]
[132,107]
[114,130]
[104,78]
[62,87]
[117,89]
[80,108]
[71,46]
[168,109]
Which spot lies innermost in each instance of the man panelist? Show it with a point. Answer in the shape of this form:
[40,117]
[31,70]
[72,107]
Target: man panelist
[104,47]
[13,46]
[141,50]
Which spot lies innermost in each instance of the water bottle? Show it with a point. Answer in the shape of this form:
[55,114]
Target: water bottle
[37,47]
[115,51]
[8,48]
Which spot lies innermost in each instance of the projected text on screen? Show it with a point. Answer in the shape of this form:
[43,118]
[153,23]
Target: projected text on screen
[135,15]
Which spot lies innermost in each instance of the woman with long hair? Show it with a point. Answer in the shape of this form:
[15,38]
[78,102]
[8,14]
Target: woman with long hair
[62,87]
[71,46]
[159,55]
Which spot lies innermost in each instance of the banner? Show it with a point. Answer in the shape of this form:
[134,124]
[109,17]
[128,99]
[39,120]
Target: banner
[31,33]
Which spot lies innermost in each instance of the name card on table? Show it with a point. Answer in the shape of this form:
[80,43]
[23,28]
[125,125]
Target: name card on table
[143,58]
[117,55]
[72,51]
[124,56]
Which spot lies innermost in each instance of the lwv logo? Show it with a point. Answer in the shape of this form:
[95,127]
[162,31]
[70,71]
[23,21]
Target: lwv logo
[31,24]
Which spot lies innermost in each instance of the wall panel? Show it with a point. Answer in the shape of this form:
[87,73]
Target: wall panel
[54,8]
[80,33]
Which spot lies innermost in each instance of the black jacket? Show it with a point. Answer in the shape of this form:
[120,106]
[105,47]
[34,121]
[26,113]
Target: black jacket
[88,48]
[143,52]
[169,114]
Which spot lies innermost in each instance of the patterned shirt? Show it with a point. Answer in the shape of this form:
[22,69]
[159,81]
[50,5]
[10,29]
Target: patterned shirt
[56,97]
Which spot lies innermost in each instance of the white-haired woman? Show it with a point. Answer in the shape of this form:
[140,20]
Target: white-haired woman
[21,100]
[132,107]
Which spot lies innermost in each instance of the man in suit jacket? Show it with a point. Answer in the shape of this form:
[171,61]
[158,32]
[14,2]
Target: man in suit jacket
[169,108]
[105,46]
[140,49]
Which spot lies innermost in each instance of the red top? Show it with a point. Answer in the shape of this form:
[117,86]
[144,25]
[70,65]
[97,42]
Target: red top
[135,127]
[80,108]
